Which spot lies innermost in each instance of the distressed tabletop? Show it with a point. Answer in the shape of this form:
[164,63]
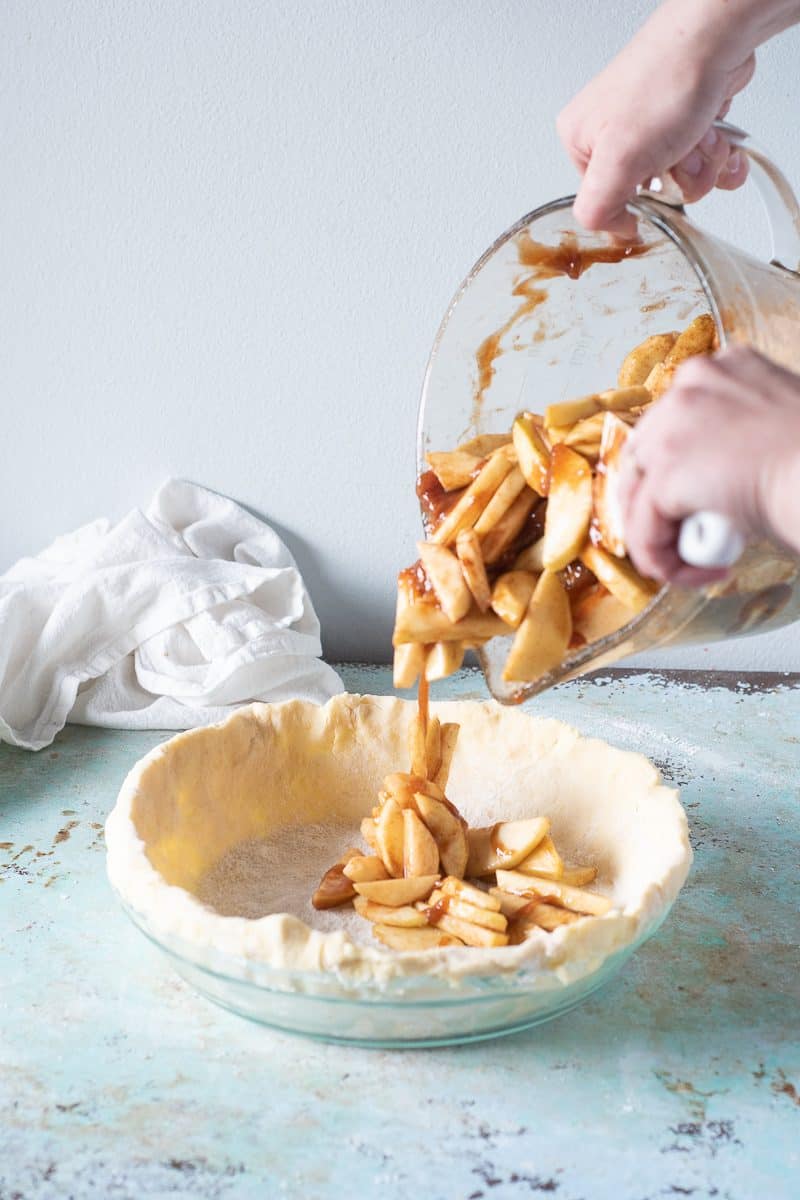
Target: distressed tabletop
[681,1078]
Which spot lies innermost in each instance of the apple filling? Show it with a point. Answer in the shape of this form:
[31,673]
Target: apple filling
[524,530]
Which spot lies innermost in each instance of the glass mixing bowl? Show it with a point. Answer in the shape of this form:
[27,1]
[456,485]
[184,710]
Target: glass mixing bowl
[550,311]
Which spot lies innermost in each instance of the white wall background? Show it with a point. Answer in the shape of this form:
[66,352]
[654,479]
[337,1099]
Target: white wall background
[230,229]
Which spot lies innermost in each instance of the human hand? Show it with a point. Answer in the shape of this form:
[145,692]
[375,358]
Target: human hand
[652,110]
[724,438]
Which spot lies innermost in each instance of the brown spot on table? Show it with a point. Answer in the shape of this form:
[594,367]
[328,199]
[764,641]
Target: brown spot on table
[64,832]
[782,1086]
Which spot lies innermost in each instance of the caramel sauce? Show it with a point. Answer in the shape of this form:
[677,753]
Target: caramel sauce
[334,888]
[577,579]
[531,531]
[489,350]
[569,257]
[422,700]
[543,262]
[438,910]
[415,580]
[434,501]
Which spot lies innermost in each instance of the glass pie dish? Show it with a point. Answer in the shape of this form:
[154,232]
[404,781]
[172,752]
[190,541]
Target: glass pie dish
[413,1013]
[266,788]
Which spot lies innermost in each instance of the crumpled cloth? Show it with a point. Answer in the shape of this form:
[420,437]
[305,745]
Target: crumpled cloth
[167,620]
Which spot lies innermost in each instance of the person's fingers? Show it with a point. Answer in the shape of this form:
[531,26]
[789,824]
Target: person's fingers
[749,372]
[734,172]
[741,76]
[629,480]
[696,577]
[567,130]
[609,182]
[650,536]
[613,219]
[651,527]
[696,174]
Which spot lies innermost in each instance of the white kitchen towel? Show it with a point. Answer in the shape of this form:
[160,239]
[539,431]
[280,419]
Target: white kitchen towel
[166,620]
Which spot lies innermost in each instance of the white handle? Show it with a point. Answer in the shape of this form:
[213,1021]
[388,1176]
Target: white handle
[707,539]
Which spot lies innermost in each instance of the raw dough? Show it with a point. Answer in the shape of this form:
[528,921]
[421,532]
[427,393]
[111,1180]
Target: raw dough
[286,785]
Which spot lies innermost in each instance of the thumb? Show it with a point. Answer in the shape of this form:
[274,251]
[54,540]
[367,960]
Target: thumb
[608,184]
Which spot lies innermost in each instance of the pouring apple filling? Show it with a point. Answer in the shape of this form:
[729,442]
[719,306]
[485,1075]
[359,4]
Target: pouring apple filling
[524,535]
[427,880]
[524,538]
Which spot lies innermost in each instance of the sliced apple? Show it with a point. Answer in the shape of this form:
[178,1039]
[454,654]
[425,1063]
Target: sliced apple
[368,833]
[511,905]
[607,518]
[476,915]
[409,662]
[365,868]
[453,468]
[468,549]
[543,637]
[597,614]
[484,444]
[454,886]
[533,453]
[446,578]
[697,338]
[504,844]
[536,917]
[497,541]
[449,738]
[549,916]
[402,786]
[579,876]
[530,559]
[404,915]
[420,852]
[659,380]
[623,399]
[544,860]
[413,940]
[396,892]
[420,621]
[466,511]
[620,577]
[585,437]
[444,658]
[448,830]
[567,413]
[470,935]
[639,362]
[334,888]
[564,894]
[389,837]
[562,417]
[511,596]
[569,507]
[501,501]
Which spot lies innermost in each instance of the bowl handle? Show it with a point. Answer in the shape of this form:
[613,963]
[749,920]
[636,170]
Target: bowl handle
[777,195]
[707,539]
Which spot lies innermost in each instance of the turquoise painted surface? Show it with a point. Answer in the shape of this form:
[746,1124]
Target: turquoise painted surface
[682,1078]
